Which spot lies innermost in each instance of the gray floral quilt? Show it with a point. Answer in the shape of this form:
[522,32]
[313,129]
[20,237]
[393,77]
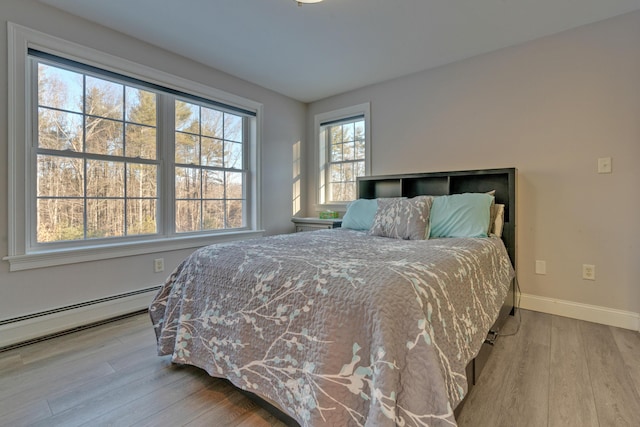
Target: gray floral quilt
[335,326]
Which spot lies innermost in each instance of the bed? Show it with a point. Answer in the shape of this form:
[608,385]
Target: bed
[341,327]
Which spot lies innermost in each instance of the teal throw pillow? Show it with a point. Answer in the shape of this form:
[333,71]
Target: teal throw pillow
[360,214]
[460,215]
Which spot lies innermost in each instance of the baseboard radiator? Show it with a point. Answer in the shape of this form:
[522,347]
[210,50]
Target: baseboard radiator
[23,330]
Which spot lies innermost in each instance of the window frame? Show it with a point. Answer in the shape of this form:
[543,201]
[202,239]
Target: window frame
[22,253]
[323,146]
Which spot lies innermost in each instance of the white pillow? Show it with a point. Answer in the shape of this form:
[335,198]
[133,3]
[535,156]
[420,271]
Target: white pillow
[498,221]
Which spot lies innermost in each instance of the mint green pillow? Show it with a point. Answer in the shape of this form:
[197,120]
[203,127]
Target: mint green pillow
[460,215]
[360,214]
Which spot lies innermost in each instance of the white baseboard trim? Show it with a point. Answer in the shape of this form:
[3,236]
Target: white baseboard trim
[574,310]
[25,329]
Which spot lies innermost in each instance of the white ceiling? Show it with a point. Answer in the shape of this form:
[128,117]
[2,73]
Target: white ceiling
[318,50]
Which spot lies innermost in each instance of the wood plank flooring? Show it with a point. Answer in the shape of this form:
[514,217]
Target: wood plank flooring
[554,372]
[558,372]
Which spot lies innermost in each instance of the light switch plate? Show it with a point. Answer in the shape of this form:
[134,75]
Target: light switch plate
[604,165]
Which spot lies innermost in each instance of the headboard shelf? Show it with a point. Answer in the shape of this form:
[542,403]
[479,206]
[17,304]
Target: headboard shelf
[503,181]
[417,186]
[377,188]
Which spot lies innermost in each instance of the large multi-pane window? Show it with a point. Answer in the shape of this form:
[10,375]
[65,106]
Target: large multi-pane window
[110,158]
[343,144]
[102,148]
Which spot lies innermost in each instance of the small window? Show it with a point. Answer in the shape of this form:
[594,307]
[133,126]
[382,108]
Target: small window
[347,157]
[343,143]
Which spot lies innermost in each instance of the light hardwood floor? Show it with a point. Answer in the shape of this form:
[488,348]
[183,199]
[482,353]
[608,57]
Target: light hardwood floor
[554,372]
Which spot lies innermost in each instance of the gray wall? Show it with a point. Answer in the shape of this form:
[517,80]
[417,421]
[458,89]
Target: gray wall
[32,291]
[551,108]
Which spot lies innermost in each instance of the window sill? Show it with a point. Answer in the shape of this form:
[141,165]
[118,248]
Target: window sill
[51,258]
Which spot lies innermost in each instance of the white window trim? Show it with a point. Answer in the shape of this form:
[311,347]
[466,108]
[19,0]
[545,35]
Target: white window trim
[321,150]
[20,256]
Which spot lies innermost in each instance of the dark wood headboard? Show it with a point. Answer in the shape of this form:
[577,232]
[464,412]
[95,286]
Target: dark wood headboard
[503,181]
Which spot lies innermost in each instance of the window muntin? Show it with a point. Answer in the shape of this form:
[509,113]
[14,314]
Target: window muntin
[96,157]
[346,158]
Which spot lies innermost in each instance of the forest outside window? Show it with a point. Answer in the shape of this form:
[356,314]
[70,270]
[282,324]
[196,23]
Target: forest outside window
[109,158]
[97,165]
[209,172]
[98,162]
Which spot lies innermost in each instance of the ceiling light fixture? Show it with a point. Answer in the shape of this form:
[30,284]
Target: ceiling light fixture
[306,1]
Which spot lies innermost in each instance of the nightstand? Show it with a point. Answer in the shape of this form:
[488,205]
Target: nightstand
[311,224]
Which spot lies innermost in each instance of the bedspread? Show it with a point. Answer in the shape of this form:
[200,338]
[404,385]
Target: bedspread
[335,326]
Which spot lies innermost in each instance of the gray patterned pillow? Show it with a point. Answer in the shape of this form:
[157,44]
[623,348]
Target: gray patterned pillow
[402,218]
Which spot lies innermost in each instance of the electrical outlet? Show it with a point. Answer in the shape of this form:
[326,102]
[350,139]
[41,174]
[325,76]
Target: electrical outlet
[158,265]
[588,271]
[541,267]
